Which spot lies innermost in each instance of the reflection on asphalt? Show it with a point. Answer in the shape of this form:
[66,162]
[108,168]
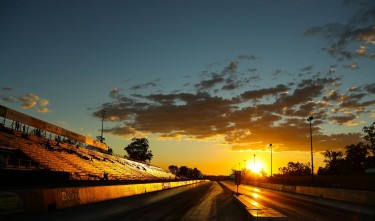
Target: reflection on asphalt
[301,207]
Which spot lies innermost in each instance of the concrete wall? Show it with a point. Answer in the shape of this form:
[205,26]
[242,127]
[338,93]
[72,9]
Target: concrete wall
[42,200]
[354,196]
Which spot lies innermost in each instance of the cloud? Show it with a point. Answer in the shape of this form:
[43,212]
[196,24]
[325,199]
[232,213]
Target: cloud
[228,79]
[343,119]
[308,68]
[28,101]
[248,118]
[359,29]
[332,96]
[251,70]
[7,89]
[44,102]
[247,57]
[210,83]
[143,86]
[370,88]
[353,66]
[114,91]
[257,94]
[42,110]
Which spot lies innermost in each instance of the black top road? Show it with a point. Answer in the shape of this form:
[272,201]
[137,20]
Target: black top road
[307,208]
[206,201]
[203,201]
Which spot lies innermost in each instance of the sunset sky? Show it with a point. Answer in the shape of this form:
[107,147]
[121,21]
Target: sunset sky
[208,83]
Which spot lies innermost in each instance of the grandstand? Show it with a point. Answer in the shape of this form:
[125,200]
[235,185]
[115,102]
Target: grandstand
[22,148]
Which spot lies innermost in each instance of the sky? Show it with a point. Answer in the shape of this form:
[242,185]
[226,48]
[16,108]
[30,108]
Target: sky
[210,84]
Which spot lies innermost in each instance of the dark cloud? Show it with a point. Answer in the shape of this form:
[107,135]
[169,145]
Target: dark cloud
[308,68]
[332,96]
[258,94]
[246,57]
[210,83]
[6,89]
[144,86]
[359,29]
[252,70]
[343,119]
[370,88]
[353,66]
[232,67]
[243,118]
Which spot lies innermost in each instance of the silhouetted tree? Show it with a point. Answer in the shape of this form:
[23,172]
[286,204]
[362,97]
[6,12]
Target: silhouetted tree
[295,169]
[183,171]
[370,136]
[173,169]
[138,150]
[197,174]
[356,156]
[335,163]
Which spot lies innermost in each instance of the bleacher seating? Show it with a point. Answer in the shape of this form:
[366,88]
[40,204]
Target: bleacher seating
[80,162]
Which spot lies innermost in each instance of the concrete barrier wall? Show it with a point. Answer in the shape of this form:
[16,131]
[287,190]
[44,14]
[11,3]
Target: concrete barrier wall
[42,200]
[354,196]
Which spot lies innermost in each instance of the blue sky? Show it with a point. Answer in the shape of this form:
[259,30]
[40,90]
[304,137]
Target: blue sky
[197,78]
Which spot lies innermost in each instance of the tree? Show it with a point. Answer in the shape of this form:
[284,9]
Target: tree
[370,136]
[173,169]
[138,150]
[295,169]
[196,174]
[183,171]
[356,156]
[335,163]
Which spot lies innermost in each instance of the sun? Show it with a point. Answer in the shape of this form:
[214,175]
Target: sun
[255,168]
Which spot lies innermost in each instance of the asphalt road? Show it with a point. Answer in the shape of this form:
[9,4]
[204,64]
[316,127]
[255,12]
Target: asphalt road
[306,208]
[203,201]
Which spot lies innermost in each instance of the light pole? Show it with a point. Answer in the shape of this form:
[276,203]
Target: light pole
[101,135]
[312,156]
[271,159]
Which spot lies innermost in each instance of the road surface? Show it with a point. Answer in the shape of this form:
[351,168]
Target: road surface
[306,208]
[202,201]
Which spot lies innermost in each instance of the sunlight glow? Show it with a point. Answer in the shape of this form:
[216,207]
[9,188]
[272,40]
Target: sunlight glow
[255,168]
[255,195]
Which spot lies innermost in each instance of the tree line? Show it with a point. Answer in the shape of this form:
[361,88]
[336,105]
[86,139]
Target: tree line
[185,172]
[356,159]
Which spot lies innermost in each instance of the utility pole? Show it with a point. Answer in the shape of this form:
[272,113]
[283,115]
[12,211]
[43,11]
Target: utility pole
[312,156]
[101,135]
[271,159]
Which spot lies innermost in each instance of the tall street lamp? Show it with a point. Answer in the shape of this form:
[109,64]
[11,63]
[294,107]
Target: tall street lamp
[312,157]
[271,159]
[101,135]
